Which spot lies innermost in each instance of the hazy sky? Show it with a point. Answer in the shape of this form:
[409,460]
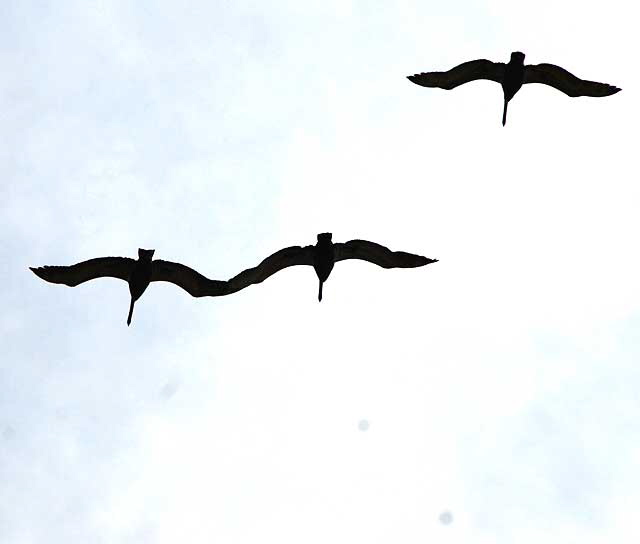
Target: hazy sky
[489,398]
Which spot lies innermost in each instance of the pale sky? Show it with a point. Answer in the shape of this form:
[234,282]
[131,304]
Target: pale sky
[488,398]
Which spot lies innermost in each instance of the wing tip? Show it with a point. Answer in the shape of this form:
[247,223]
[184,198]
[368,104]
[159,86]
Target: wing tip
[424,261]
[41,271]
[45,273]
[606,90]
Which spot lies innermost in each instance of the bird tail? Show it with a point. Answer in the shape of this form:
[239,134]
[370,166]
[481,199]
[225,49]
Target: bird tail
[504,112]
[130,311]
[320,292]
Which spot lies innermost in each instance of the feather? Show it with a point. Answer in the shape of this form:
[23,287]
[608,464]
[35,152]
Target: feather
[377,254]
[290,256]
[188,279]
[565,81]
[461,74]
[102,267]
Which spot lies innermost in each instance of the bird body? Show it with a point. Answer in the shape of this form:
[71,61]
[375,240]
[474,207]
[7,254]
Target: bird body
[140,277]
[512,81]
[512,76]
[323,259]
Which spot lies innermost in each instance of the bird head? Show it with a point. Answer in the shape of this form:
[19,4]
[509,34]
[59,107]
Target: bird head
[324,237]
[145,254]
[518,57]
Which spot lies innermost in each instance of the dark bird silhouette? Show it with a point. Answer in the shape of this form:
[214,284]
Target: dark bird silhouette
[322,257]
[512,76]
[137,273]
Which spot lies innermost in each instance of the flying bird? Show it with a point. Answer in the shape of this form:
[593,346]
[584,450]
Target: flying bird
[512,76]
[322,257]
[137,273]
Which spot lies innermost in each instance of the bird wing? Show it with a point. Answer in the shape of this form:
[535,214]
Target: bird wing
[191,281]
[289,256]
[114,267]
[565,81]
[463,73]
[377,254]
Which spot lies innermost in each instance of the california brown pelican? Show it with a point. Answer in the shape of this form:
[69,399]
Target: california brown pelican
[512,76]
[137,273]
[322,257]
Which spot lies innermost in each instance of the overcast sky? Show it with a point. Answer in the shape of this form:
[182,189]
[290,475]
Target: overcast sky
[491,397]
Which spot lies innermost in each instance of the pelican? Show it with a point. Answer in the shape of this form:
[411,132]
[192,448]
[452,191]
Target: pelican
[322,257]
[512,76]
[137,273]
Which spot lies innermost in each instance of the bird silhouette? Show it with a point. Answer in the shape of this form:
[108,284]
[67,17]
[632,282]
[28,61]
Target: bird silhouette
[137,273]
[322,257]
[512,76]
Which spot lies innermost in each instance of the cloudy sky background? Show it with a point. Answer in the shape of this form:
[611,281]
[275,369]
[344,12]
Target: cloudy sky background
[500,384]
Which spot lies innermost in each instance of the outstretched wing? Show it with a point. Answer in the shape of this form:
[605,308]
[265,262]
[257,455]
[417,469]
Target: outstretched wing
[113,267]
[191,281]
[377,254]
[290,256]
[565,81]
[464,73]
